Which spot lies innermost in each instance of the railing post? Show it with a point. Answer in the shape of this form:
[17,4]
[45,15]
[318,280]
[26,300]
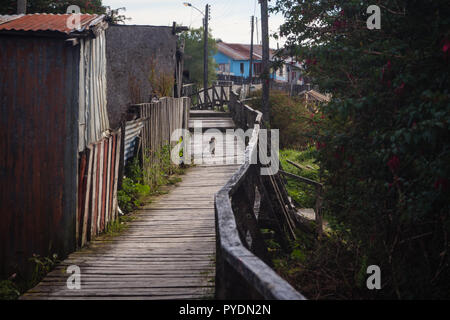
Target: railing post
[318,209]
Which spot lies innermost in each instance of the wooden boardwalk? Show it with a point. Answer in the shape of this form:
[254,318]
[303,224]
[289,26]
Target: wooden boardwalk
[168,251]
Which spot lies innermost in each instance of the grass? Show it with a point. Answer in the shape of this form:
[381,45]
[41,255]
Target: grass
[119,225]
[140,185]
[302,194]
[17,284]
[319,269]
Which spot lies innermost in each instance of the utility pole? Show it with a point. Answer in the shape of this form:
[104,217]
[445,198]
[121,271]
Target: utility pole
[265,60]
[21,6]
[257,33]
[205,48]
[251,52]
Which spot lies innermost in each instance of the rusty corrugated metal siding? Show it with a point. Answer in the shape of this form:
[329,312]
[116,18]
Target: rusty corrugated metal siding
[38,148]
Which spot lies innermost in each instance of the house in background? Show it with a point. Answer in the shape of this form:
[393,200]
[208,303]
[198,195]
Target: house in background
[233,60]
[291,72]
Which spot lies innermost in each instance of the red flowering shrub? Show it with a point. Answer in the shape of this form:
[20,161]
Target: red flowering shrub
[393,163]
[391,114]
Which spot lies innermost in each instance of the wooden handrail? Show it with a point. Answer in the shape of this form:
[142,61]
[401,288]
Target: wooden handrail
[242,266]
[217,98]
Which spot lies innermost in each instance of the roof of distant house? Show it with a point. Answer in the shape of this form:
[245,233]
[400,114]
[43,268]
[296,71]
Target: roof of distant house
[239,51]
[44,22]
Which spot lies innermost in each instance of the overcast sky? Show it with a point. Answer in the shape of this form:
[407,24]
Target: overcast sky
[230,19]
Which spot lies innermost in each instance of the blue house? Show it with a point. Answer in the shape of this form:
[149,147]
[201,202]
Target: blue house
[233,60]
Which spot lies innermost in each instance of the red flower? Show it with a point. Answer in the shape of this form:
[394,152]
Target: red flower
[399,90]
[441,183]
[446,47]
[320,145]
[337,24]
[393,163]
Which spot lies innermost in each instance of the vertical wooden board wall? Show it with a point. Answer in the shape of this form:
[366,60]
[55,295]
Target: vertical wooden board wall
[104,185]
[81,192]
[117,171]
[98,187]
[87,197]
[112,163]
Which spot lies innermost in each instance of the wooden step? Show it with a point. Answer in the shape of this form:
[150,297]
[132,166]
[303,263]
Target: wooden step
[213,123]
[208,114]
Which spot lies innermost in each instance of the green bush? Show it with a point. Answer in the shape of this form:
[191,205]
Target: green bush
[141,182]
[289,115]
[303,194]
[133,188]
[8,290]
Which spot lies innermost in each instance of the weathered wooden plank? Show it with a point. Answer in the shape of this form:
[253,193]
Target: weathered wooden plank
[86,209]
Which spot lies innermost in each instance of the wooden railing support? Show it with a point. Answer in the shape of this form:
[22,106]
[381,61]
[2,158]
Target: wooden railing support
[242,265]
[203,100]
[319,196]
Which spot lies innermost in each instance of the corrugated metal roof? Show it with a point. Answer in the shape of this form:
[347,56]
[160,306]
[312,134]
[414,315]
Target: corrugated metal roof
[39,22]
[238,51]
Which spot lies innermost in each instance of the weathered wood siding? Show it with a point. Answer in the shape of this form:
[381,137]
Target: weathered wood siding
[160,120]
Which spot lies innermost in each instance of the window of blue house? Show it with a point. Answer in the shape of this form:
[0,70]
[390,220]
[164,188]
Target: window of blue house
[257,68]
[242,67]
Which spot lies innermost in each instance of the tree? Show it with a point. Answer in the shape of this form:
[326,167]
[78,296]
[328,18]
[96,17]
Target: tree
[383,140]
[49,6]
[193,55]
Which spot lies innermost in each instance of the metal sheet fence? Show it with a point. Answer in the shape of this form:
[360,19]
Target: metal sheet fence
[93,116]
[97,187]
[133,130]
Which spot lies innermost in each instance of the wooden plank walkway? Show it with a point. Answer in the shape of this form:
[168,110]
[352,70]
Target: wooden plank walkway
[167,252]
